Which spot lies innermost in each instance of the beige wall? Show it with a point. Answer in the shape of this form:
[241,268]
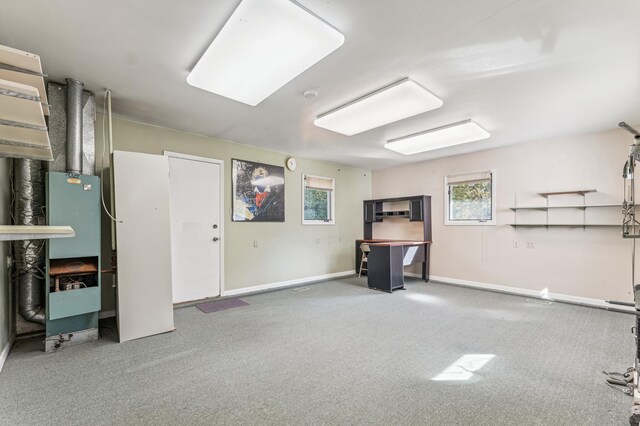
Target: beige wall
[593,263]
[6,317]
[287,250]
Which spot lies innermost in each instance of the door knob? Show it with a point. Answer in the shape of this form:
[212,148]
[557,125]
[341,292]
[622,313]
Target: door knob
[215,226]
[215,238]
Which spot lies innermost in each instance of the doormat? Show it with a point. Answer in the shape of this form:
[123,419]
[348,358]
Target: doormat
[220,305]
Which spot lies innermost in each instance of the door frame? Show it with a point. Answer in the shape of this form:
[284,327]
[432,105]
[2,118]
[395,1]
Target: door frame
[172,154]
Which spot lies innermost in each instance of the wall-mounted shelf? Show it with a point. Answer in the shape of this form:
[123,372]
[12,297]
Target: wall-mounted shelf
[581,192]
[24,68]
[566,225]
[568,206]
[23,106]
[28,232]
[546,208]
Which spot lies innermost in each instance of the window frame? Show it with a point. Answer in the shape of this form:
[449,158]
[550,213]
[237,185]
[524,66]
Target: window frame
[492,222]
[332,201]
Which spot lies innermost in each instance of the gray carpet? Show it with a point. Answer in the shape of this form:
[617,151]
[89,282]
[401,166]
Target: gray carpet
[337,354]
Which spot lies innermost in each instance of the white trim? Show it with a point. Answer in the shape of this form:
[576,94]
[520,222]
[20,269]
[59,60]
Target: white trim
[494,197]
[332,202]
[6,350]
[288,283]
[221,189]
[106,314]
[578,300]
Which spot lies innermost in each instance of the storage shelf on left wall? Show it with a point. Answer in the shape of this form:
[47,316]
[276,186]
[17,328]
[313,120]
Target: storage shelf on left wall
[23,106]
[26,232]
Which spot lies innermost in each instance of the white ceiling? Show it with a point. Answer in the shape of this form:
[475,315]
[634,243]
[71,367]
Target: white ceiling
[524,69]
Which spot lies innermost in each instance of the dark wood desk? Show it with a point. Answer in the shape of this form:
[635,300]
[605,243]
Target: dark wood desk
[387,259]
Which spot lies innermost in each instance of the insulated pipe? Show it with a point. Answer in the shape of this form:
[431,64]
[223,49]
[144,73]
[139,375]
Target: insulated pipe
[29,298]
[28,182]
[75,90]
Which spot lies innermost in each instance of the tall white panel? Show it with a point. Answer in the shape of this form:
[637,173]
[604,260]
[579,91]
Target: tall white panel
[144,294]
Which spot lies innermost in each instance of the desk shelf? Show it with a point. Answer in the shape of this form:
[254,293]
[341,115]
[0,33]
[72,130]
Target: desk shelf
[419,210]
[401,213]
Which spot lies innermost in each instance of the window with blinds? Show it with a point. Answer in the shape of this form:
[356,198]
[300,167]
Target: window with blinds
[317,200]
[470,198]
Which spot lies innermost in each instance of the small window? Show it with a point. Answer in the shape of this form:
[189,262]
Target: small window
[470,199]
[318,200]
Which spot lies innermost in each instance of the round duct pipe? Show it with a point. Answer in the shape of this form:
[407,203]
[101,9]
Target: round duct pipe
[75,90]
[28,182]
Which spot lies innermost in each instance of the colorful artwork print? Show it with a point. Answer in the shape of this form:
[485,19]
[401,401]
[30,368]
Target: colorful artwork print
[258,192]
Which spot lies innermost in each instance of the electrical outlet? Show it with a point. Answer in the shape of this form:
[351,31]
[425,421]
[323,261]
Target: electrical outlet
[317,240]
[515,244]
[530,244]
[256,243]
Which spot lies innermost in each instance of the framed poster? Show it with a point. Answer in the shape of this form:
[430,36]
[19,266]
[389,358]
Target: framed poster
[258,192]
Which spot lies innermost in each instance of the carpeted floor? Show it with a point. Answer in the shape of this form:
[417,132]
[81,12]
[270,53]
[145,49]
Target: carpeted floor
[338,354]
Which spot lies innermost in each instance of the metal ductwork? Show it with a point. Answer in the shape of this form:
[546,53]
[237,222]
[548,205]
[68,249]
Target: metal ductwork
[29,205]
[28,181]
[75,90]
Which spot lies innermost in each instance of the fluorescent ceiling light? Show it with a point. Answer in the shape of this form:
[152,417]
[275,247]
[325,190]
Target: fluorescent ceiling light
[402,99]
[264,45]
[440,137]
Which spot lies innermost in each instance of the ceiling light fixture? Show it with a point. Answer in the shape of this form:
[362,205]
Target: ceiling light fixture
[402,99]
[264,45]
[310,93]
[441,137]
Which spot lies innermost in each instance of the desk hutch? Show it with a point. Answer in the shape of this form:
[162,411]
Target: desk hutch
[388,257]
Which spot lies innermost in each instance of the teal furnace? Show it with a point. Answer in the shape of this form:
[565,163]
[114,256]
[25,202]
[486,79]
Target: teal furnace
[73,264]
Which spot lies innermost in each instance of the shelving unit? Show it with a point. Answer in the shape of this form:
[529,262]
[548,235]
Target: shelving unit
[23,106]
[584,206]
[419,211]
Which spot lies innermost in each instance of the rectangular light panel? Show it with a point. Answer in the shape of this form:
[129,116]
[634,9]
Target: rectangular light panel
[400,100]
[440,137]
[264,45]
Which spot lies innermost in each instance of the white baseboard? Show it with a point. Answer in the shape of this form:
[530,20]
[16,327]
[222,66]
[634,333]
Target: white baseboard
[106,314]
[6,350]
[298,281]
[559,297]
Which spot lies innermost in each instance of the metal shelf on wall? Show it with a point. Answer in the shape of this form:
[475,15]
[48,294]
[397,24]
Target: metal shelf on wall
[570,225]
[23,106]
[581,192]
[584,206]
[568,206]
[24,68]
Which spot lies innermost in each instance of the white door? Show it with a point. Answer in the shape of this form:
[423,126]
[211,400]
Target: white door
[144,301]
[196,228]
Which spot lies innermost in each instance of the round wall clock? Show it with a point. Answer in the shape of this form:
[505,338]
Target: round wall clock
[292,164]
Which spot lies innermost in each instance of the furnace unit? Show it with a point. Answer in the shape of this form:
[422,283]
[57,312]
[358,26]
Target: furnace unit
[73,264]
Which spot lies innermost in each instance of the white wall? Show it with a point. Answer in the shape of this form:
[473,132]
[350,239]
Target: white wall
[287,251]
[592,263]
